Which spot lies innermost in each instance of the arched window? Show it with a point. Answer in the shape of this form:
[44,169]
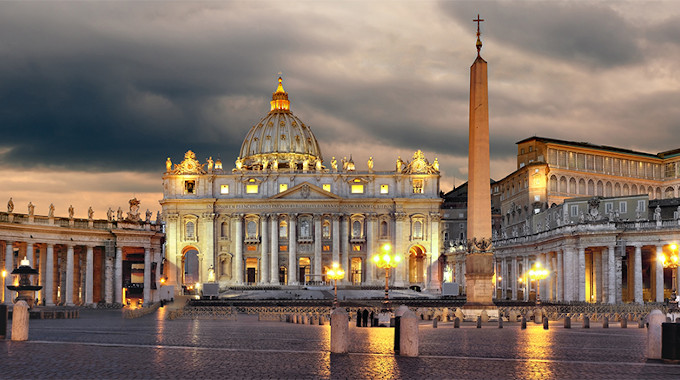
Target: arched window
[251,229]
[417,229]
[283,229]
[582,186]
[225,229]
[190,230]
[326,229]
[633,190]
[383,229]
[356,229]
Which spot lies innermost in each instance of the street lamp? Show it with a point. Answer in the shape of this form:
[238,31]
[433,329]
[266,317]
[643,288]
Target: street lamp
[538,274]
[671,262]
[4,274]
[335,273]
[387,262]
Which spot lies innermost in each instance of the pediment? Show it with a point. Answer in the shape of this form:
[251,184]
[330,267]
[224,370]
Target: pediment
[305,190]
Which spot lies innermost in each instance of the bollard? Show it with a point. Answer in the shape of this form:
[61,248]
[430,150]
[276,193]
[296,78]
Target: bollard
[624,323]
[485,316]
[479,321]
[545,323]
[397,325]
[20,321]
[339,331]
[456,322]
[500,322]
[538,316]
[586,322]
[524,322]
[358,318]
[408,334]
[3,321]
[641,323]
[605,322]
[567,322]
[656,318]
[434,322]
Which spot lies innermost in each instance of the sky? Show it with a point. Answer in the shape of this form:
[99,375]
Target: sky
[95,95]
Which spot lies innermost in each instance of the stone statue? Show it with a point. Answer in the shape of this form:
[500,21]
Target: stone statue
[90,213]
[239,163]
[210,163]
[148,216]
[31,209]
[70,211]
[305,164]
[10,205]
[400,164]
[275,164]
[119,214]
[677,213]
[211,274]
[168,165]
[370,164]
[334,164]
[265,163]
[109,215]
[158,217]
[318,165]
[657,214]
[344,163]
[51,212]
[435,164]
[133,214]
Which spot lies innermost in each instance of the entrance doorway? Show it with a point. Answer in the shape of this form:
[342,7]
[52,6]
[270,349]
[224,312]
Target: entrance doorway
[190,270]
[304,270]
[355,276]
[251,270]
[416,264]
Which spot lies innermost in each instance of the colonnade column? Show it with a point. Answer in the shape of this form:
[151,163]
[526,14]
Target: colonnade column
[264,246]
[611,276]
[317,247]
[581,269]
[597,272]
[89,275]
[274,251]
[9,267]
[147,276]
[118,279]
[69,276]
[371,248]
[335,230]
[238,259]
[344,247]
[638,273]
[292,250]
[513,281]
[658,269]
[560,276]
[527,281]
[49,276]
[504,278]
[567,277]
[29,254]
[603,296]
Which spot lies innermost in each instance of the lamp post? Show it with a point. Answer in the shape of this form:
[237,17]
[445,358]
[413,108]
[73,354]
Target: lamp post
[387,262]
[671,262]
[335,273]
[538,274]
[4,274]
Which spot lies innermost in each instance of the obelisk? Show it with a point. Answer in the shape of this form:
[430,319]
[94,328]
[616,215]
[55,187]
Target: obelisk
[479,257]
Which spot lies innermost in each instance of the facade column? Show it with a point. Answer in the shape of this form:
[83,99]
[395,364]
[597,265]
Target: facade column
[118,279]
[559,273]
[568,277]
[317,248]
[638,274]
[48,294]
[400,249]
[513,281]
[658,269]
[238,259]
[604,264]
[504,278]
[371,248]
[581,269]
[147,276]
[597,272]
[9,267]
[29,254]
[264,246]
[274,251]
[335,231]
[69,276]
[435,280]
[344,247]
[89,275]
[292,250]
[527,281]
[611,275]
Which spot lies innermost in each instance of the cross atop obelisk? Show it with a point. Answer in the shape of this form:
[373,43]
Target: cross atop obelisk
[479,41]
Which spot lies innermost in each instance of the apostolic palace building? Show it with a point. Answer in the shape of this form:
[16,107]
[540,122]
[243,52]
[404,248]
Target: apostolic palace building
[283,214]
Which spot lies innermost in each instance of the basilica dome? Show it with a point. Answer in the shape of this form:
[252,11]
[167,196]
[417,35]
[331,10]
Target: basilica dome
[280,140]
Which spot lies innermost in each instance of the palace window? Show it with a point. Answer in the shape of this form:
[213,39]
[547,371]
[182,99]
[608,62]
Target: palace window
[190,187]
[190,231]
[357,189]
[326,187]
[384,189]
[641,205]
[608,207]
[623,207]
[224,189]
[670,170]
[283,187]
[417,229]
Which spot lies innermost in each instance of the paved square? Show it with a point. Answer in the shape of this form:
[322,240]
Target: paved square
[101,344]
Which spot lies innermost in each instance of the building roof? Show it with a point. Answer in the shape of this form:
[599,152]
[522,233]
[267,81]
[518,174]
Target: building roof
[600,147]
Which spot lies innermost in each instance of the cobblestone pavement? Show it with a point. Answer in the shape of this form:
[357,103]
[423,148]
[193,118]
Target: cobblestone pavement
[101,344]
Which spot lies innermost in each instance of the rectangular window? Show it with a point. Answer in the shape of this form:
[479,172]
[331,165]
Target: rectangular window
[252,189]
[670,170]
[623,207]
[357,189]
[356,248]
[574,210]
[608,207]
[417,186]
[283,248]
[326,248]
[641,205]
[384,189]
[326,187]
[190,187]
[283,187]
[224,189]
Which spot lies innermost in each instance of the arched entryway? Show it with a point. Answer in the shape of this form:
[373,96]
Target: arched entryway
[355,271]
[416,264]
[190,269]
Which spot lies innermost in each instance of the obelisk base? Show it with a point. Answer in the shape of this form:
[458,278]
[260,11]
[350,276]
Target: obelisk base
[479,286]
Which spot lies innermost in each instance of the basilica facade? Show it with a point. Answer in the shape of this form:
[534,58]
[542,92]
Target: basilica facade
[283,215]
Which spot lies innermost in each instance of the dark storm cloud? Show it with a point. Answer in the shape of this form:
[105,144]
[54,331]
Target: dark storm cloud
[579,32]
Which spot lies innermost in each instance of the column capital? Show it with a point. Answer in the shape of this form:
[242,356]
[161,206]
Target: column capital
[336,217]
[371,216]
[317,217]
[400,216]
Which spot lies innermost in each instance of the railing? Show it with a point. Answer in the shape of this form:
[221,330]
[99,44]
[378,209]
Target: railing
[79,223]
